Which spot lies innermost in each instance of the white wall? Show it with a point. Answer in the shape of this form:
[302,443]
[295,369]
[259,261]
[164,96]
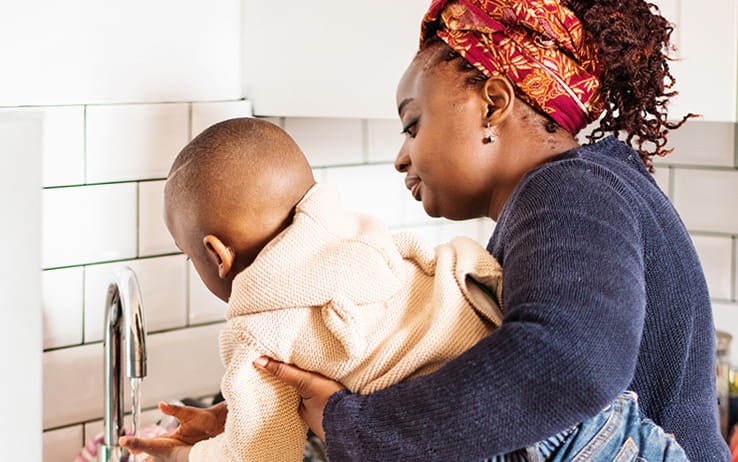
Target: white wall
[20,284]
[84,51]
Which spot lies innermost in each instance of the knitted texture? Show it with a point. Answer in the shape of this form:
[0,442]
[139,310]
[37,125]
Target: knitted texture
[338,294]
[603,291]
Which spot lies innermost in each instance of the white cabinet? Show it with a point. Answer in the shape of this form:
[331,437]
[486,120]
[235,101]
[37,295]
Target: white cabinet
[87,51]
[337,58]
[706,36]
[327,58]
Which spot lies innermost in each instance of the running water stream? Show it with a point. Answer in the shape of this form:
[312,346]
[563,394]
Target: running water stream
[135,409]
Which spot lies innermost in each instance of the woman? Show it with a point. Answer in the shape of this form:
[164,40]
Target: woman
[603,290]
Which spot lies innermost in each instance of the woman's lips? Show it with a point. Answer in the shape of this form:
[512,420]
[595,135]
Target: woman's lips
[413,184]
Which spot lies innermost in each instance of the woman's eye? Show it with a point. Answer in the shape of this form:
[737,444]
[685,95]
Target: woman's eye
[409,129]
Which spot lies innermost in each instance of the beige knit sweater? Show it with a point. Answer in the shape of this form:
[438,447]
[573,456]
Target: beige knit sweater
[338,294]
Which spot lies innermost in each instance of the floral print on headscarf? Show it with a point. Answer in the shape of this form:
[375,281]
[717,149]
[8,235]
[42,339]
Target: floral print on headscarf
[539,45]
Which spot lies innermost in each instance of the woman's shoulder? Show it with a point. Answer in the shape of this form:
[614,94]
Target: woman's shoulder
[599,180]
[605,170]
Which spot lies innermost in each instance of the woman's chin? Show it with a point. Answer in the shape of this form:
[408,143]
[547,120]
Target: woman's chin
[431,210]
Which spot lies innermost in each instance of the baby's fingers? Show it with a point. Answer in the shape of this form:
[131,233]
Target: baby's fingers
[153,447]
[171,409]
[182,413]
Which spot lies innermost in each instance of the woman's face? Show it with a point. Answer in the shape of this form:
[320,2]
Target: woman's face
[449,167]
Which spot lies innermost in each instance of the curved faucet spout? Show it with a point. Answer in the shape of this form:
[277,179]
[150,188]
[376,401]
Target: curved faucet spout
[123,319]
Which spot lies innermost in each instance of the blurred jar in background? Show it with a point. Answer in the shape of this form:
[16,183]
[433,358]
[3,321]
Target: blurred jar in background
[723,380]
[733,406]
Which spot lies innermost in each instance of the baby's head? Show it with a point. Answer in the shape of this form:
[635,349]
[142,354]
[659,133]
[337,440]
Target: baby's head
[230,191]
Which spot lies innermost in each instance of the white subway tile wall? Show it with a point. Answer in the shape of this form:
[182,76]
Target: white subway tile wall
[662,175]
[328,141]
[87,224]
[62,307]
[704,144]
[73,385]
[163,287]
[207,114]
[716,256]
[63,160]
[384,138]
[373,189]
[63,444]
[204,306]
[735,271]
[480,230]
[707,199]
[703,185]
[726,319]
[153,236]
[181,363]
[103,207]
[134,142]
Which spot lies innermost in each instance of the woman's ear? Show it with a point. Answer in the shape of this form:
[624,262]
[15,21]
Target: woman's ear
[220,254]
[500,97]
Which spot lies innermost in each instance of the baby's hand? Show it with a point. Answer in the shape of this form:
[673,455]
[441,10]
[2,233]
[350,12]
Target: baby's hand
[159,449]
[195,425]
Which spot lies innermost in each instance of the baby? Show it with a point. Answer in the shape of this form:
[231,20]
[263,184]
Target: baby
[312,284]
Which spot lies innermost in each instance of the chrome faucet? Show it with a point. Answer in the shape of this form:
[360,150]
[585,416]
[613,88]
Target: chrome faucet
[123,320]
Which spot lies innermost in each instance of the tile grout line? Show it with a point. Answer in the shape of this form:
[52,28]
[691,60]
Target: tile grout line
[122,103]
[84,423]
[189,122]
[103,183]
[187,294]
[84,285]
[696,232]
[735,145]
[84,435]
[84,142]
[106,262]
[138,220]
[155,332]
[700,167]
[365,141]
[734,269]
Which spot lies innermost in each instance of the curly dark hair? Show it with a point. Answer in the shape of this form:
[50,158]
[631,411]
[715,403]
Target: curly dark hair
[634,40]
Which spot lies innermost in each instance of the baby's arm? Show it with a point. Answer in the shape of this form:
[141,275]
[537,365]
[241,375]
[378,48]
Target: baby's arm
[263,421]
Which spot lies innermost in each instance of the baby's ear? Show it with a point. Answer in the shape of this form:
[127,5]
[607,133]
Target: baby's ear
[220,254]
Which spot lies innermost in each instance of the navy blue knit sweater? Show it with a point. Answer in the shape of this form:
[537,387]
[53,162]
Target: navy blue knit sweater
[603,292]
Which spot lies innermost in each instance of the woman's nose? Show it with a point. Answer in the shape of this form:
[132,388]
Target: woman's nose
[402,161]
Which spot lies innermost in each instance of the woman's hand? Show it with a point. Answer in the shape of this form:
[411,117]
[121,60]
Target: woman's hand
[314,389]
[195,425]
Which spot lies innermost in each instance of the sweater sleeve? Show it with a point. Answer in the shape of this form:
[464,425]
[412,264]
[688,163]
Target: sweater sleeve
[263,423]
[574,297]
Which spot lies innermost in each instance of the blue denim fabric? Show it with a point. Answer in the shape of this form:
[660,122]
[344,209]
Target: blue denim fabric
[619,433]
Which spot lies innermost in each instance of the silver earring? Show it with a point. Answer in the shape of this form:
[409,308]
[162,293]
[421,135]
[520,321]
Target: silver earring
[489,139]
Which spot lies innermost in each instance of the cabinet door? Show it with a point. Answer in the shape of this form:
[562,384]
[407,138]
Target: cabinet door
[706,37]
[327,58]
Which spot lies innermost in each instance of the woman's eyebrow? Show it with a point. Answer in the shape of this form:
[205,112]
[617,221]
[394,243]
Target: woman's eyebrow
[402,105]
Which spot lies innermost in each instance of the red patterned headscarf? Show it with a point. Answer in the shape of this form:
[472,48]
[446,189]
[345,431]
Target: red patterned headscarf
[538,44]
